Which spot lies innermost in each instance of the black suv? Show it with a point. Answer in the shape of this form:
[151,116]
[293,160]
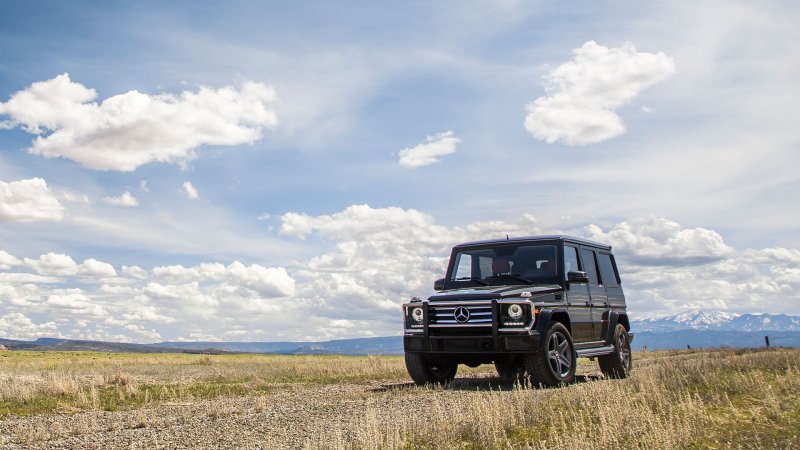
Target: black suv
[530,305]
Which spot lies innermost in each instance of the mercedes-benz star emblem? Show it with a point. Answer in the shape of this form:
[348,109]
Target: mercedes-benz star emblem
[461,314]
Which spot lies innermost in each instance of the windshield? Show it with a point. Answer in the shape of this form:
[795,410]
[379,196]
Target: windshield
[506,264]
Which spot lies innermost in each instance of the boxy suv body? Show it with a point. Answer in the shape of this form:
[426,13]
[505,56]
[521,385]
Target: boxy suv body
[530,305]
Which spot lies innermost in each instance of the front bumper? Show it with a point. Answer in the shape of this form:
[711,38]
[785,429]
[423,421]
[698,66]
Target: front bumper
[503,344]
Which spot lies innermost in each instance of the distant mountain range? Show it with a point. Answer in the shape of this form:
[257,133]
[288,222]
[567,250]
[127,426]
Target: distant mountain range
[391,345]
[716,329]
[719,321]
[696,329]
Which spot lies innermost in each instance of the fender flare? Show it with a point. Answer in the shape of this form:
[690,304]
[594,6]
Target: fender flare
[544,317]
[614,317]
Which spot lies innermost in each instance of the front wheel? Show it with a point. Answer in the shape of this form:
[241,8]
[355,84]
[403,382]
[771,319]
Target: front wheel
[555,362]
[619,363]
[423,371]
[511,372]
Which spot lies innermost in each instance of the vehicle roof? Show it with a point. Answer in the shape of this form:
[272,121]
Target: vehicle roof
[543,237]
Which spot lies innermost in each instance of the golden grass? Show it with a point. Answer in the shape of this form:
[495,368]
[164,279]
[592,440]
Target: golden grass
[41,382]
[720,399]
[674,399]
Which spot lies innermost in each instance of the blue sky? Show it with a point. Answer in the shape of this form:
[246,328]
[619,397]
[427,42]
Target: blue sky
[334,153]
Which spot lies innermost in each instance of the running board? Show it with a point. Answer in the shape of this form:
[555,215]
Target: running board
[596,351]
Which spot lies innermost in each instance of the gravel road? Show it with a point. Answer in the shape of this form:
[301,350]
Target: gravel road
[293,416]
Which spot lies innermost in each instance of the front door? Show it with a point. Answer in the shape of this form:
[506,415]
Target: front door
[578,300]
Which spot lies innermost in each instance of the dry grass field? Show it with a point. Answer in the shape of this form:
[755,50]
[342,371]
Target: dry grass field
[675,399]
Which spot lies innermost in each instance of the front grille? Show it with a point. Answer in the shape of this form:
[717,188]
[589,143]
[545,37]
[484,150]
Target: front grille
[445,315]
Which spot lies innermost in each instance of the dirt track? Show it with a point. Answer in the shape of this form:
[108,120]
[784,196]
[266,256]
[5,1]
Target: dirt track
[294,416]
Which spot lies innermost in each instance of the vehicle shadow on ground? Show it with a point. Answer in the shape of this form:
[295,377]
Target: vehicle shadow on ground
[477,384]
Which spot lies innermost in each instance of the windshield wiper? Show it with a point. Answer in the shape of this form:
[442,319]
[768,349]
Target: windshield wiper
[511,275]
[477,280]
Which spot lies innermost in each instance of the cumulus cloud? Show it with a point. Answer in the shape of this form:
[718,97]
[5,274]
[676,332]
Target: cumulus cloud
[265,281]
[660,241]
[382,257]
[190,191]
[63,265]
[77,304]
[583,94]
[128,130]
[430,151]
[373,260]
[19,326]
[93,268]
[8,260]
[125,199]
[29,201]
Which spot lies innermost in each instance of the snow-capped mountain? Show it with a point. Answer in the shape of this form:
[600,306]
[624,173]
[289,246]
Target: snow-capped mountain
[719,321]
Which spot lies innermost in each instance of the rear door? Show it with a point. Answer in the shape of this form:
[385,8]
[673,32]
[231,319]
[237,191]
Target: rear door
[610,280]
[597,292]
[578,304]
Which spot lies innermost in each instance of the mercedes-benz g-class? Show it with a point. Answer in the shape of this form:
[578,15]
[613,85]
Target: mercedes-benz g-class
[530,305]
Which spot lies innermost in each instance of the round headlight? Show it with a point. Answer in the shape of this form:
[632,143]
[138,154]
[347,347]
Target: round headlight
[515,312]
[416,314]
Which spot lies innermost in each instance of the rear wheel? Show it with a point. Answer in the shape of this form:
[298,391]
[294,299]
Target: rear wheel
[555,362]
[423,371]
[619,363]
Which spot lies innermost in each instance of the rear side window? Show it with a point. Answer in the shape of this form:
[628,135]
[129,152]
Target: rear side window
[590,267]
[570,260]
[607,270]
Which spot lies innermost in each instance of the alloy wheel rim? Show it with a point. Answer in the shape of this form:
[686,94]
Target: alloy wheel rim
[624,351]
[559,354]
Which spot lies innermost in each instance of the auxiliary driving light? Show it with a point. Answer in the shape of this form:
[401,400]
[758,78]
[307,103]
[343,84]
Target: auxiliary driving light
[416,314]
[515,312]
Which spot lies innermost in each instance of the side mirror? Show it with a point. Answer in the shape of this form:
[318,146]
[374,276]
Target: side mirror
[438,285]
[577,277]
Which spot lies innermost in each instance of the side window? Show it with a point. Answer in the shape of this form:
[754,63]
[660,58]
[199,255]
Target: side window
[607,270]
[570,260]
[590,267]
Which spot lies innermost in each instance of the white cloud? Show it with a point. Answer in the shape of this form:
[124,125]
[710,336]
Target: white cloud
[8,260]
[93,268]
[377,258]
[53,264]
[269,282]
[26,278]
[63,265]
[76,303]
[583,94]
[134,272]
[128,130]
[126,199]
[430,151]
[190,191]
[660,241]
[19,326]
[29,201]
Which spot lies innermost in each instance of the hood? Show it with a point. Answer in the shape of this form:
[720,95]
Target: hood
[487,292]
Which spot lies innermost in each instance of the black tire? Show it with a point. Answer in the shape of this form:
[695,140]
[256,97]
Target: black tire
[555,362]
[424,372]
[511,372]
[619,363]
